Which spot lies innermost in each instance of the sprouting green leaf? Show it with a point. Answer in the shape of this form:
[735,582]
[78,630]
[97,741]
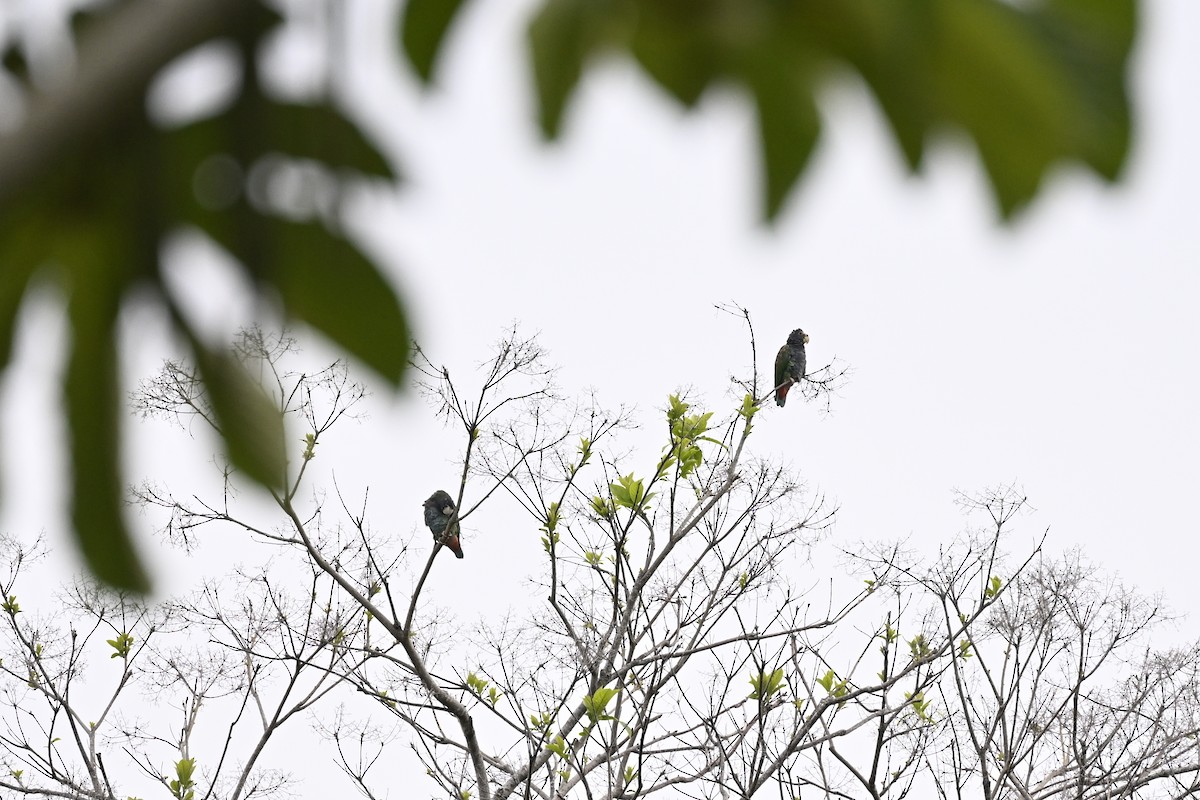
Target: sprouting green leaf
[603,507]
[475,683]
[558,747]
[993,587]
[919,648]
[964,648]
[551,523]
[122,645]
[592,558]
[585,454]
[310,446]
[676,408]
[920,705]
[749,409]
[765,684]
[11,606]
[596,703]
[628,492]
[424,24]
[181,787]
[831,684]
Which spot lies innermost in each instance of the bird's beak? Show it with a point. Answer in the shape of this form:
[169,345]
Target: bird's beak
[806,338]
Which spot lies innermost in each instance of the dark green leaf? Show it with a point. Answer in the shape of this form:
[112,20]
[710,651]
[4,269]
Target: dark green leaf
[19,261]
[679,55]
[323,134]
[1008,91]
[94,411]
[788,125]
[423,29]
[329,284]
[250,423]
[560,40]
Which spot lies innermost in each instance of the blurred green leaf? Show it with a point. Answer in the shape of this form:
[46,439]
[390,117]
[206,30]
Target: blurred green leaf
[18,266]
[561,38]
[673,43]
[321,133]
[98,208]
[94,411]
[250,423]
[423,30]
[1031,84]
[329,284]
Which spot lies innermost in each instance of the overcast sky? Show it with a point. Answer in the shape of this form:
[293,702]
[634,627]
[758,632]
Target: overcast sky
[1057,353]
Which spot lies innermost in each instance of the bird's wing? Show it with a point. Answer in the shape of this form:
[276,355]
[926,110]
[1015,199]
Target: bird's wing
[782,359]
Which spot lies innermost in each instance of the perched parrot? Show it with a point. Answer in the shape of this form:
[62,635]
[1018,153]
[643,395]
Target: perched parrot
[789,364]
[441,517]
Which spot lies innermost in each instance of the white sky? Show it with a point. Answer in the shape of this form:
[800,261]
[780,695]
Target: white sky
[1058,353]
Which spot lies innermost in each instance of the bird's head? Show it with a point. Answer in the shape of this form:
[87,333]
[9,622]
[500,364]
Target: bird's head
[797,338]
[439,500]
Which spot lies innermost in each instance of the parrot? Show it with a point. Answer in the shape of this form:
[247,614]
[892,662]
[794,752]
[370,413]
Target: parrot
[442,518]
[789,364]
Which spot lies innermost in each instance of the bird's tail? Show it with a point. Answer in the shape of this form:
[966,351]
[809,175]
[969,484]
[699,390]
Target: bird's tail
[781,393]
[453,543]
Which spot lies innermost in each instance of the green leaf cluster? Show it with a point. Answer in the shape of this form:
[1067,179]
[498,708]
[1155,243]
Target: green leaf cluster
[964,648]
[121,645]
[11,606]
[919,648]
[585,455]
[920,705]
[687,430]
[558,746]
[550,528]
[596,704]
[182,786]
[603,507]
[993,587]
[747,411]
[628,492]
[832,685]
[478,686]
[765,684]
